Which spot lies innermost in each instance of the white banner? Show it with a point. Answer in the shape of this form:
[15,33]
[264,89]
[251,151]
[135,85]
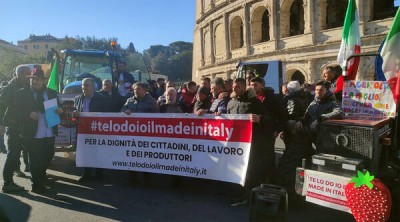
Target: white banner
[325,189]
[209,147]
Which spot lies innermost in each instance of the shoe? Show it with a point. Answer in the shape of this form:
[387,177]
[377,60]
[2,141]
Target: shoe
[12,187]
[19,173]
[41,190]
[238,202]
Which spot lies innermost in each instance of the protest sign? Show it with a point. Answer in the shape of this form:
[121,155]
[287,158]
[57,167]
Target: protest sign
[325,189]
[369,98]
[209,147]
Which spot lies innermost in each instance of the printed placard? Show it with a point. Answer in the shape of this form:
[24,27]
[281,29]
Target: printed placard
[325,189]
[209,147]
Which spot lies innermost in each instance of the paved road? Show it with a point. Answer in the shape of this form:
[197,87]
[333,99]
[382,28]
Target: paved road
[113,199]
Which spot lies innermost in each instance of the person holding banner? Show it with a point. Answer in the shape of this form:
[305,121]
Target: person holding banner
[36,134]
[140,102]
[261,166]
[90,101]
[171,105]
[116,100]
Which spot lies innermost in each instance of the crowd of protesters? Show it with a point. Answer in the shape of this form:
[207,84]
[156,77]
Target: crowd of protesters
[292,114]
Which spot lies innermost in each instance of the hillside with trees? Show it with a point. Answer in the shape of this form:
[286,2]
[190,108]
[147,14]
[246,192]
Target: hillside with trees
[174,60]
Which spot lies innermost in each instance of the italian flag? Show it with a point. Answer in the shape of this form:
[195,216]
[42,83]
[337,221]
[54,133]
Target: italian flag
[54,78]
[391,57]
[351,44]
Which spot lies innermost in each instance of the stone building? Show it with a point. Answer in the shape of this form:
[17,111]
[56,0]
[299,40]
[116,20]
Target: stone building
[304,34]
[39,44]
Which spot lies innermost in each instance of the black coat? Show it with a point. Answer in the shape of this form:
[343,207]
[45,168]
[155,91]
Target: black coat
[22,107]
[323,109]
[98,103]
[115,99]
[7,97]
[250,104]
[274,108]
[296,104]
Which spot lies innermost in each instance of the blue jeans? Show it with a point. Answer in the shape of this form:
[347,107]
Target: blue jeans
[15,146]
[39,151]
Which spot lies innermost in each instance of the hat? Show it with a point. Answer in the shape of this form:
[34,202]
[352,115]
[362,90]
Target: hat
[203,90]
[36,73]
[293,86]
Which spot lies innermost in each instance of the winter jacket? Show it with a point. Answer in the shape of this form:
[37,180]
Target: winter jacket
[6,98]
[24,104]
[296,104]
[206,104]
[219,105]
[323,109]
[274,108]
[146,105]
[98,103]
[188,99]
[115,99]
[170,108]
[250,104]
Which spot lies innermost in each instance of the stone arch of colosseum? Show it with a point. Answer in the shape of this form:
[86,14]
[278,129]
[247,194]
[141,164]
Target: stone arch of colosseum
[207,47]
[236,32]
[292,18]
[219,40]
[260,25]
[297,74]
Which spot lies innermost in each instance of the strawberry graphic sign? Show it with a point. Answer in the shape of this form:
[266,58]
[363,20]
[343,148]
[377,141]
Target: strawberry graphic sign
[368,198]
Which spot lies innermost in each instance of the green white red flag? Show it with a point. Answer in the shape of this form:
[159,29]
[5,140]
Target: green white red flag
[54,79]
[351,44]
[391,57]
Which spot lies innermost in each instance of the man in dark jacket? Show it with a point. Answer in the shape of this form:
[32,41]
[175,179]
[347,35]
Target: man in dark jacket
[262,154]
[37,135]
[267,97]
[115,99]
[220,98]
[141,102]
[323,107]
[124,80]
[297,146]
[90,101]
[14,141]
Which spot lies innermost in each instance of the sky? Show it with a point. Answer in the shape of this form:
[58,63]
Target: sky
[142,22]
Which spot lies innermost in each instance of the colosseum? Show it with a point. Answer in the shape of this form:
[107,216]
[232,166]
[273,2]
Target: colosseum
[304,34]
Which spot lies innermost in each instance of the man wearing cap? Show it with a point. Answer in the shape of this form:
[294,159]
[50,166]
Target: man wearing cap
[36,134]
[14,142]
[297,145]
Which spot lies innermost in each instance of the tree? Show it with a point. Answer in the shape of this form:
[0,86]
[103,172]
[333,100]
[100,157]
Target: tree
[131,48]
[87,43]
[69,43]
[10,59]
[174,60]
